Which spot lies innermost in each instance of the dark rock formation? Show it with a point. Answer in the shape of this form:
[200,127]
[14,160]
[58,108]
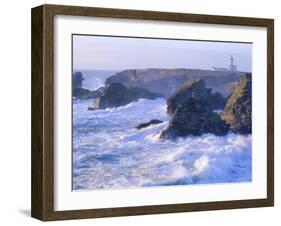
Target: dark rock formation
[113,96]
[168,81]
[197,89]
[194,117]
[226,89]
[81,93]
[116,95]
[77,79]
[238,110]
[146,124]
[216,101]
[139,93]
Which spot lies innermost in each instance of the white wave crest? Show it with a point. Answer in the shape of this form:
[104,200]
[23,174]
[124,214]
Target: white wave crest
[108,152]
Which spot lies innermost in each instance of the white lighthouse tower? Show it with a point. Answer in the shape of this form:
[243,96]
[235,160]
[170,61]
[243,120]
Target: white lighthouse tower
[232,66]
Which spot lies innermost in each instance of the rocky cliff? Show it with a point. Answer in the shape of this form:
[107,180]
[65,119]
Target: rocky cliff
[82,93]
[238,110]
[116,94]
[167,81]
[77,79]
[195,88]
[194,117]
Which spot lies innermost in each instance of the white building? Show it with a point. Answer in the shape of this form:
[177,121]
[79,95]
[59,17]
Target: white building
[232,67]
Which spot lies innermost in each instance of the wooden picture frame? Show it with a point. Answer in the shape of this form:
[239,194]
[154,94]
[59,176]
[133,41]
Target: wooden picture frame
[42,204]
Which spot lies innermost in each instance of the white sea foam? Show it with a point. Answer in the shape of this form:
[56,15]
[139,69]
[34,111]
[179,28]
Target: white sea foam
[108,152]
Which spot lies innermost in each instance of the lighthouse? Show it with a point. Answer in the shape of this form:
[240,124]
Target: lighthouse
[232,66]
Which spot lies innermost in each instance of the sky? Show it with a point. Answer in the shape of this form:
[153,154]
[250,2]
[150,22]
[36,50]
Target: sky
[119,53]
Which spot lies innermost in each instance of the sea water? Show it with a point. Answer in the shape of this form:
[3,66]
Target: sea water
[93,79]
[109,152]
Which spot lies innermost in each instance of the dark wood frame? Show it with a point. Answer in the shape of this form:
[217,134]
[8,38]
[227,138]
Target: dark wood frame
[42,203]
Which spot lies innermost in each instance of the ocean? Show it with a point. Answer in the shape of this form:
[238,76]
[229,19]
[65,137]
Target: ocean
[110,153]
[93,79]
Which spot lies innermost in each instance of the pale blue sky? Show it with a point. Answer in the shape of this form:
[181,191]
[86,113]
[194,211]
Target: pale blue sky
[114,53]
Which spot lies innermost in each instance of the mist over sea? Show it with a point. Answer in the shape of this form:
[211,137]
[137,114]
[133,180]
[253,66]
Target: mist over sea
[95,78]
[108,152]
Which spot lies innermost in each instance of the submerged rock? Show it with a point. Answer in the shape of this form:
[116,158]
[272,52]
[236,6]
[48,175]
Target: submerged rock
[116,95]
[197,89]
[146,124]
[194,117]
[238,110]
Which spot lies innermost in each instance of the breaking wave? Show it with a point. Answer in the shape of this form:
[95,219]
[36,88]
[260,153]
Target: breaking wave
[108,152]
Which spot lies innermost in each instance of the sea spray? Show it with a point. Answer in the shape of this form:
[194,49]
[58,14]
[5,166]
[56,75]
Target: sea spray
[108,152]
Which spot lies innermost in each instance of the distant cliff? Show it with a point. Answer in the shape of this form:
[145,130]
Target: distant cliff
[167,81]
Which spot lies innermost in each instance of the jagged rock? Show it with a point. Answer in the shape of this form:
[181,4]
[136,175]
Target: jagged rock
[196,88]
[146,124]
[81,93]
[216,101]
[194,117]
[226,89]
[77,79]
[238,110]
[113,96]
[116,95]
[168,81]
[185,91]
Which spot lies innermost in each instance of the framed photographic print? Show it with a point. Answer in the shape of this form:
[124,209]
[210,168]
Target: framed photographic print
[141,112]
